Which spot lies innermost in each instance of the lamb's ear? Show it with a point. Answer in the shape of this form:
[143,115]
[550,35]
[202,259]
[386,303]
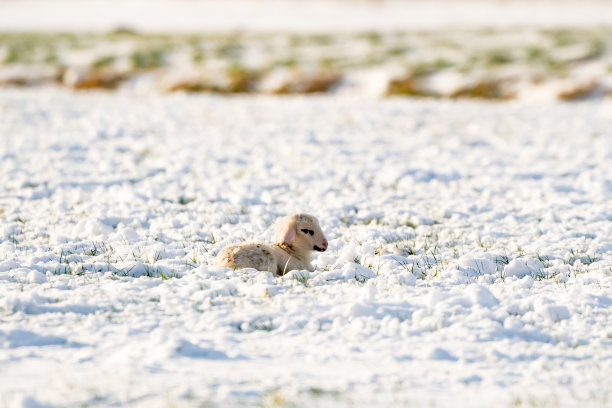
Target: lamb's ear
[287,230]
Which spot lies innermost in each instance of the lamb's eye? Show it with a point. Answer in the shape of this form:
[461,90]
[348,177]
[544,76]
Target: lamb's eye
[307,231]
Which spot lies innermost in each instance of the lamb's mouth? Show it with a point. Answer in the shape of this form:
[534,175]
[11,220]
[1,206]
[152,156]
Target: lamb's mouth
[316,248]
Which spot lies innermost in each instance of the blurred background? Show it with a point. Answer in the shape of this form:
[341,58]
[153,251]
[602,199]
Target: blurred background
[489,49]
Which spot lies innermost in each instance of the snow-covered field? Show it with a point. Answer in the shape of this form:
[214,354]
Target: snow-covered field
[495,49]
[470,258]
[516,63]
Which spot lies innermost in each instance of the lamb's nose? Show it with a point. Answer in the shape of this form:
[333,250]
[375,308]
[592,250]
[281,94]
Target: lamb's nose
[324,244]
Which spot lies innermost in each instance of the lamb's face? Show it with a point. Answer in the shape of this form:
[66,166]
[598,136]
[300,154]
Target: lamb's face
[309,234]
[303,232]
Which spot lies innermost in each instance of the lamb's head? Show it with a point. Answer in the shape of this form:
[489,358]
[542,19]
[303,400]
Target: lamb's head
[302,232]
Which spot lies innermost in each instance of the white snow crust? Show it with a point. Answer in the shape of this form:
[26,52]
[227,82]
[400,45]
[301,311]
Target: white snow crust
[470,256]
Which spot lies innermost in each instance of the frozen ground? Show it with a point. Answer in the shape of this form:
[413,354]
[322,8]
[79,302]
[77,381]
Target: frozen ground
[470,256]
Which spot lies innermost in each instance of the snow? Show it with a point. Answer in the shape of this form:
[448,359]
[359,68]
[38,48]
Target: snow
[470,251]
[295,15]
[521,267]
[438,353]
[482,296]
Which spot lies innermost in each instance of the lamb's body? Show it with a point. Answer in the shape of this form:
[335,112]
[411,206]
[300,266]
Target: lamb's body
[274,258]
[297,237]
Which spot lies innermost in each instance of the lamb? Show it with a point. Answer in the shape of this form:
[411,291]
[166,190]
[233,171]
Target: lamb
[297,236]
